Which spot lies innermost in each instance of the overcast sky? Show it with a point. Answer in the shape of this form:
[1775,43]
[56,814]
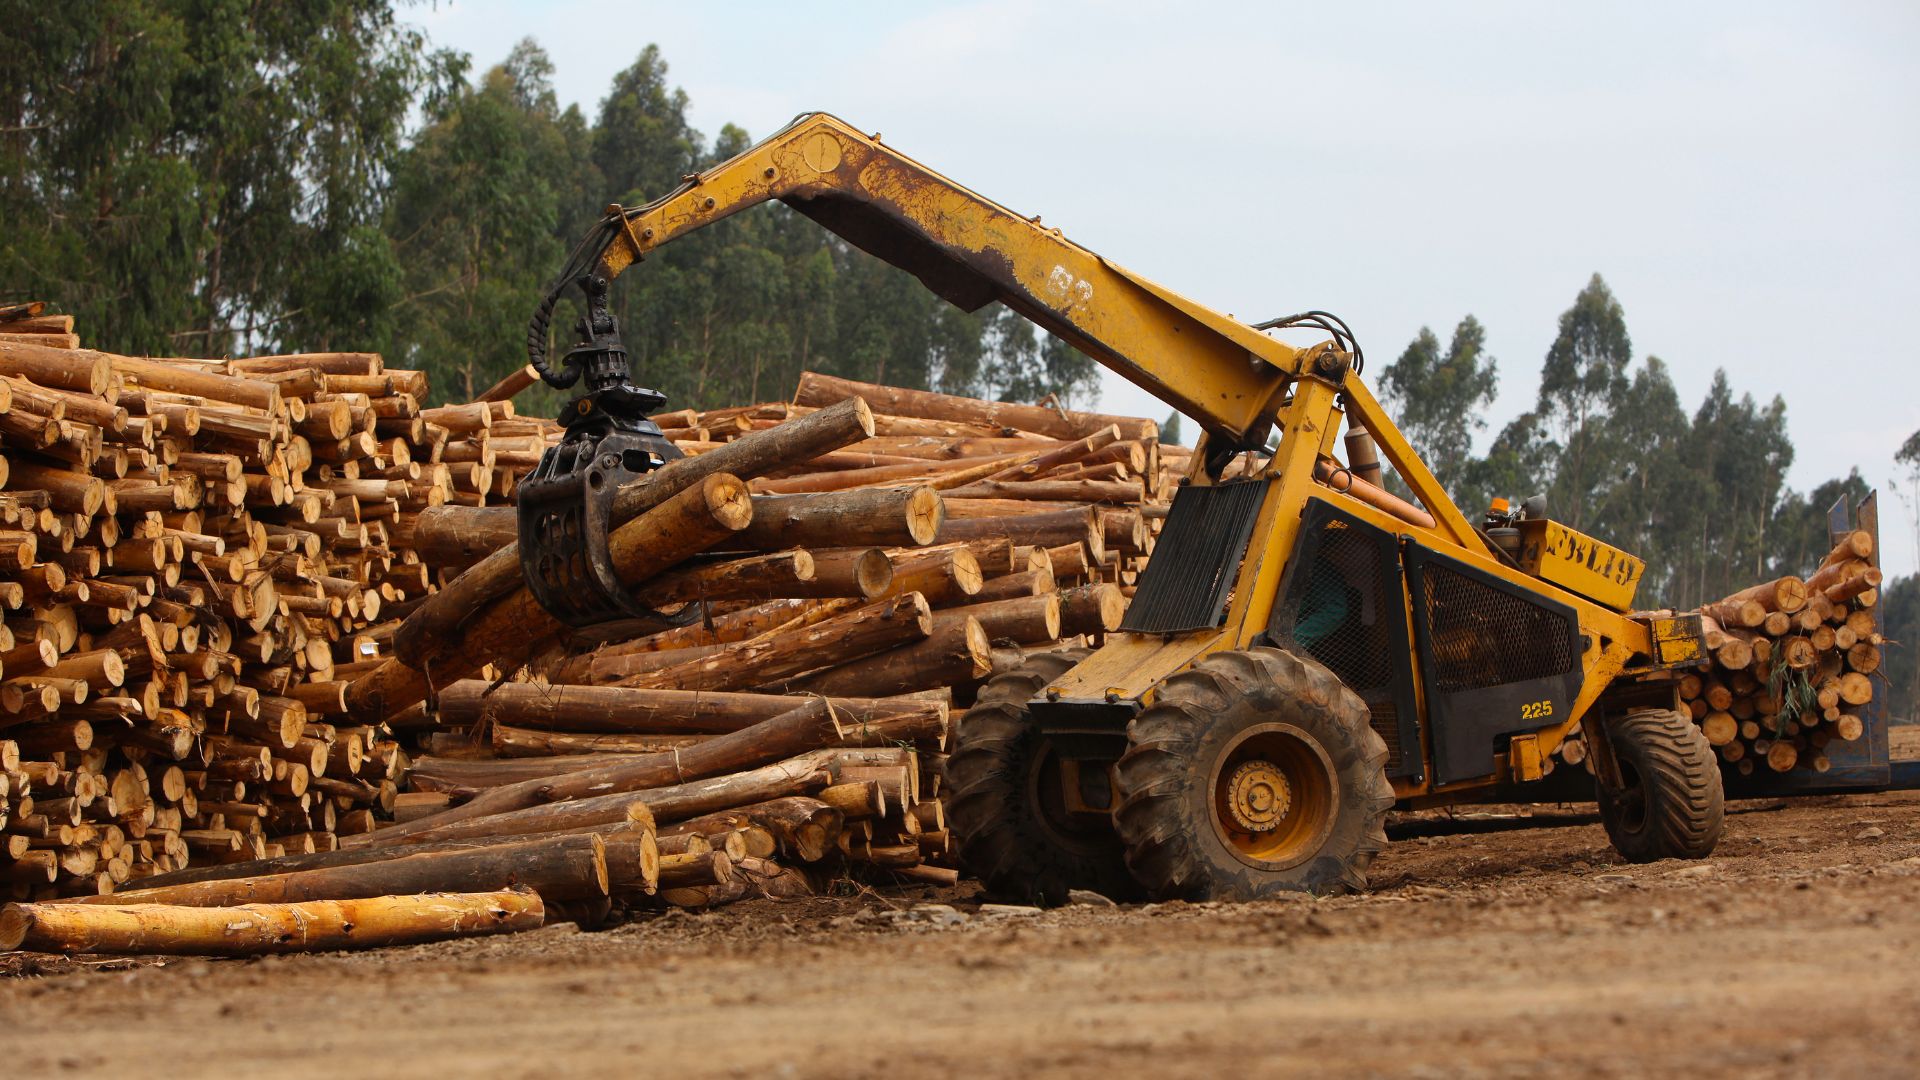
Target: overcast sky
[1744,175]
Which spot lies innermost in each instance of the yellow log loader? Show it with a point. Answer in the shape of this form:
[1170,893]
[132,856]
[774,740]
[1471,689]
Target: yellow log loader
[1305,651]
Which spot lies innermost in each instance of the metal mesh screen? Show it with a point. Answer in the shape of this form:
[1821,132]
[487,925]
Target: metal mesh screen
[1186,584]
[1341,610]
[1481,636]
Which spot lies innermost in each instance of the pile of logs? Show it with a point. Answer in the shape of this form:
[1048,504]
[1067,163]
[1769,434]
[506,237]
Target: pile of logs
[1792,664]
[858,562]
[195,558]
[273,646]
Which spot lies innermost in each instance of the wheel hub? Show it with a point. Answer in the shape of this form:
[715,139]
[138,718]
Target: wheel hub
[1258,796]
[1275,796]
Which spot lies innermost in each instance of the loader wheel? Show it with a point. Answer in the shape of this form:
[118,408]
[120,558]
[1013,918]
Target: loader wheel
[1253,774]
[1005,807]
[1672,806]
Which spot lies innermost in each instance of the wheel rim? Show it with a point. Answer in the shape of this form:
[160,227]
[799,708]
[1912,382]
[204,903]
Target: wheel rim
[1050,813]
[1273,794]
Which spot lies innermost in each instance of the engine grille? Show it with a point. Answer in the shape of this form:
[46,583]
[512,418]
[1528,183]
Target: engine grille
[1186,583]
[1482,636]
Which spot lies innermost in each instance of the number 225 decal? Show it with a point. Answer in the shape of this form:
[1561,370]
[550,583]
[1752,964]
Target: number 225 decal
[1536,710]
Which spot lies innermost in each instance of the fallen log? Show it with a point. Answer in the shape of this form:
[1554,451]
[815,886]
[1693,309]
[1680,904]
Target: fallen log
[799,775]
[559,868]
[818,389]
[804,727]
[779,655]
[615,710]
[957,653]
[258,929]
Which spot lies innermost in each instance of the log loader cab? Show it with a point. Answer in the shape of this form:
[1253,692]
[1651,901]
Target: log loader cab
[1306,650]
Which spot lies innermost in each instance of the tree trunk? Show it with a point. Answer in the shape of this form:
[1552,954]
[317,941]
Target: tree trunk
[559,868]
[818,389]
[795,776]
[783,654]
[958,653]
[887,517]
[804,727]
[1023,620]
[945,576]
[525,742]
[622,710]
[257,929]
[785,574]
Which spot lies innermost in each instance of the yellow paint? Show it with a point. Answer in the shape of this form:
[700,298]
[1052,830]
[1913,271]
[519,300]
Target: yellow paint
[1524,758]
[1578,563]
[1678,641]
[1212,367]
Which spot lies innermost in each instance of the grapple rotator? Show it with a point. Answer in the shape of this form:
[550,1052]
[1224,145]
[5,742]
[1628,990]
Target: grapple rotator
[566,502]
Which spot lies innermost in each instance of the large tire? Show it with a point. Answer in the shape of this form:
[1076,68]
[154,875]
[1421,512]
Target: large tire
[1672,805]
[1281,739]
[1010,834]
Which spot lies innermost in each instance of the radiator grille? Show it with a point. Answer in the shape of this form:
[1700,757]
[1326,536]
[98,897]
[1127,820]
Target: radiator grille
[1482,636]
[1186,584]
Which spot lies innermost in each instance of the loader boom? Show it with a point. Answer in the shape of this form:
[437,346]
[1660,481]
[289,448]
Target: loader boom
[972,251]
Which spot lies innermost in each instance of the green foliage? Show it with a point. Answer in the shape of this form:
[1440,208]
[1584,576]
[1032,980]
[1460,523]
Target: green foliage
[1584,377]
[1439,400]
[1170,429]
[206,176]
[476,216]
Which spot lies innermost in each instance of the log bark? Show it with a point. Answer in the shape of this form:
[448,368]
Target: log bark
[258,929]
[1117,492]
[526,742]
[558,868]
[886,517]
[459,535]
[1023,620]
[83,371]
[1091,609]
[615,710]
[784,574]
[1048,529]
[958,653]
[799,775]
[1785,594]
[805,727]
[1061,455]
[781,655]
[817,389]
[802,828]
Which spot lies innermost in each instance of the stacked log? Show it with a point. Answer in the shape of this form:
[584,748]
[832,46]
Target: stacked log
[869,578]
[195,559]
[239,588]
[1792,664]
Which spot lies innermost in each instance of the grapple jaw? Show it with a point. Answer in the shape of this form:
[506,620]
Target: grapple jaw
[566,503]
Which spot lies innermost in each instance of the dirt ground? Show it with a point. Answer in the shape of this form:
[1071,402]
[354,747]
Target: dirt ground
[1502,942]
